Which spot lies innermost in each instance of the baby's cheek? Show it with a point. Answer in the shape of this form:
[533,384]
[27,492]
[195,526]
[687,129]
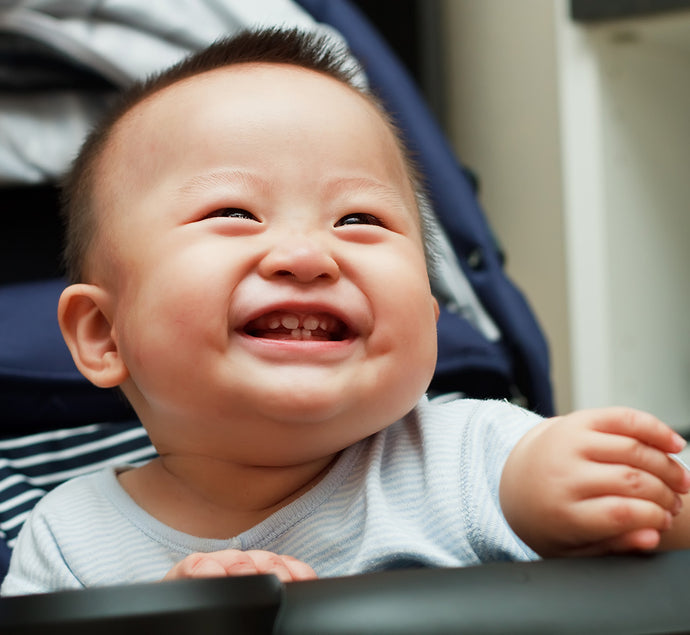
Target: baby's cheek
[412,353]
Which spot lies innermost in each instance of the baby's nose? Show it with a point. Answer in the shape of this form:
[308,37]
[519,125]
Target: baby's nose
[301,258]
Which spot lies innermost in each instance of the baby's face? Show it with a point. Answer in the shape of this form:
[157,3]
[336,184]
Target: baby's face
[266,270]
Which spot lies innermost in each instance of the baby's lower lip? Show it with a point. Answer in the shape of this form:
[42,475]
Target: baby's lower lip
[288,347]
[301,337]
[296,335]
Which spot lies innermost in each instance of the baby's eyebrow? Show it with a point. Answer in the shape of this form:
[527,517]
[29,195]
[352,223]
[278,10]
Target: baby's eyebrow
[344,186]
[210,180]
[365,185]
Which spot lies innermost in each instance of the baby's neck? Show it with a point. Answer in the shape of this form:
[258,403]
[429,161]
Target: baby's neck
[208,498]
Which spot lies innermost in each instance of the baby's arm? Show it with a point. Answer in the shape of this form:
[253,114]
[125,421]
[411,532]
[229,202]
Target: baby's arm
[233,562]
[594,482]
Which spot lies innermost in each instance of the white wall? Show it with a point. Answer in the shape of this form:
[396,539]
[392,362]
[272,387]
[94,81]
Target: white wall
[581,136]
[503,121]
[638,72]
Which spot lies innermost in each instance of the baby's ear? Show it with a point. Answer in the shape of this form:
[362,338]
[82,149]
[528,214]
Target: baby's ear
[85,324]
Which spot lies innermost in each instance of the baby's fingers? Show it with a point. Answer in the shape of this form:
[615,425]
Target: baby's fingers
[298,569]
[624,481]
[610,518]
[286,568]
[639,425]
[197,565]
[638,540]
[633,457]
[233,562]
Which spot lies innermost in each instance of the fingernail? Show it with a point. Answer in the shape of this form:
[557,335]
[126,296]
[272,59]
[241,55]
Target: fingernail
[680,461]
[679,441]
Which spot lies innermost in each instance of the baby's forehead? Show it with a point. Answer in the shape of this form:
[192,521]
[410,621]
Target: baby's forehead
[256,81]
[164,112]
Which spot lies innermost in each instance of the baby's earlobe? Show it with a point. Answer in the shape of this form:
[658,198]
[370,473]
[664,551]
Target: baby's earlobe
[437,309]
[88,333]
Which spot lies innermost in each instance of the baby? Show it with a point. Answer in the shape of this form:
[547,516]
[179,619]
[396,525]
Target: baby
[249,267]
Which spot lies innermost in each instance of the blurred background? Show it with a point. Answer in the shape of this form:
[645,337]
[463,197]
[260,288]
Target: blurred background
[575,117]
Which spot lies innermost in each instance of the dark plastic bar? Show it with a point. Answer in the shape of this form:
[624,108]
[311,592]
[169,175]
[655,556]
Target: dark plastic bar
[635,594]
[622,594]
[186,607]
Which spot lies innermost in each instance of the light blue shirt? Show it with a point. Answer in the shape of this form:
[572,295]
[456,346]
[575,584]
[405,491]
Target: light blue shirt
[423,492]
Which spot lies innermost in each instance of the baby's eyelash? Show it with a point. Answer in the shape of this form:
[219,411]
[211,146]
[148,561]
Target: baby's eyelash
[360,218]
[231,212]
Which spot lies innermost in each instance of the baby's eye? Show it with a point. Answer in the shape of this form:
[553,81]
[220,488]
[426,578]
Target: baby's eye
[359,219]
[232,212]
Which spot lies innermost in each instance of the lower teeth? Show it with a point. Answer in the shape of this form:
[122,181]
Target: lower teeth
[301,334]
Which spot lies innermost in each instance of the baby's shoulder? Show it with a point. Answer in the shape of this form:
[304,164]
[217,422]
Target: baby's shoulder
[461,411]
[76,497]
[462,421]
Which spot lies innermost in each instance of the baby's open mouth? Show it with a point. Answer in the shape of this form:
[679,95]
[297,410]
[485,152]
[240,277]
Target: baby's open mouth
[285,325]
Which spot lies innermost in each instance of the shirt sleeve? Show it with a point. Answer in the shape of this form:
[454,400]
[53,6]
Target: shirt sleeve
[492,432]
[37,564]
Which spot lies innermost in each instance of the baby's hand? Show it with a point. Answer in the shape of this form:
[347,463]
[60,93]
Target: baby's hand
[594,482]
[232,562]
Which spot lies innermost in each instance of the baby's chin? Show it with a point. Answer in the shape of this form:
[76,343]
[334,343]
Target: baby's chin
[295,436]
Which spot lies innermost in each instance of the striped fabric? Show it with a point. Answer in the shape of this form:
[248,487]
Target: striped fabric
[423,492]
[35,464]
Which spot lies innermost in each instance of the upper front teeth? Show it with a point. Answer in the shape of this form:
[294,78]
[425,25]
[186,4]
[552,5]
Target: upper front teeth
[277,324]
[311,323]
[292,322]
